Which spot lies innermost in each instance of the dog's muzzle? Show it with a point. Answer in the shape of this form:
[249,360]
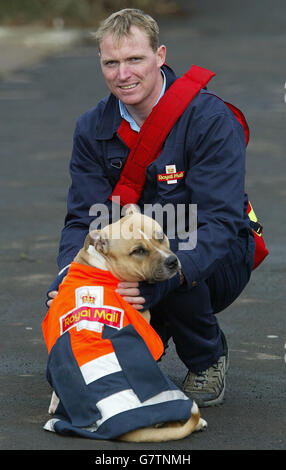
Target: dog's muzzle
[171,263]
[166,269]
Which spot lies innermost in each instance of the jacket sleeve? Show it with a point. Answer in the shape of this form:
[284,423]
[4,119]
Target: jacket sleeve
[89,188]
[215,180]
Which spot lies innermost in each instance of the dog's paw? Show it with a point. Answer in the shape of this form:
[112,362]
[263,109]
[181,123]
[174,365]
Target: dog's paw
[202,425]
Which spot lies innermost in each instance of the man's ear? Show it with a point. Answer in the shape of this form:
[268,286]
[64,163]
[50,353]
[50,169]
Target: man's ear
[99,240]
[161,55]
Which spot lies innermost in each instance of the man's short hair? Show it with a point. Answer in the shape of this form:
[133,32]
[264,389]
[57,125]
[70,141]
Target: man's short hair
[119,23]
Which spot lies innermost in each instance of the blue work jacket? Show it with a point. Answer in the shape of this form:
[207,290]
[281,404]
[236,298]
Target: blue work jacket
[207,144]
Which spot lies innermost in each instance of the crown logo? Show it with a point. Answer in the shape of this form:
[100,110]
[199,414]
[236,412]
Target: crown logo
[88,299]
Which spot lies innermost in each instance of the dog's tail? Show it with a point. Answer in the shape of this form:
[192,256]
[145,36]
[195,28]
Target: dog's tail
[170,431]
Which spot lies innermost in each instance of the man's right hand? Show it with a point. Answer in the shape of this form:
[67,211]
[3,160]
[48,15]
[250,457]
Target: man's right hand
[51,296]
[53,293]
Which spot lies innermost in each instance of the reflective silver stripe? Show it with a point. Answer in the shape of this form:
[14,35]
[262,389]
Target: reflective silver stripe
[62,270]
[128,400]
[49,426]
[100,367]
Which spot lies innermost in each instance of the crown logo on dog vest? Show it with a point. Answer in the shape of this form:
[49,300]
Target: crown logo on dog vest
[88,299]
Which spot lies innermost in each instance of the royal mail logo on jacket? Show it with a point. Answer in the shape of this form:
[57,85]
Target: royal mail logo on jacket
[171,175]
[102,361]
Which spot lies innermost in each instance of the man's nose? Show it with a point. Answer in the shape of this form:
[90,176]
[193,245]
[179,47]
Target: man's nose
[123,72]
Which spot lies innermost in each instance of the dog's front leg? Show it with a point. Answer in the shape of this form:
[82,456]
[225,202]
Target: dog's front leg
[146,314]
[54,403]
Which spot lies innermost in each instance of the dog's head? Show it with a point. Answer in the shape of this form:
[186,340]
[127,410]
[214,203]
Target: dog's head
[135,248]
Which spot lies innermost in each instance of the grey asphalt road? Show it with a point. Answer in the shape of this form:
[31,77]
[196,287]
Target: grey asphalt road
[244,43]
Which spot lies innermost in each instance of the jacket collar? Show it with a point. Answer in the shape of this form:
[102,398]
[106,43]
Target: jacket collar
[111,118]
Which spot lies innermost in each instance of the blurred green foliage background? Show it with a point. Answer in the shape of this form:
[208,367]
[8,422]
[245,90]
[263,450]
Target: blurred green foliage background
[74,13]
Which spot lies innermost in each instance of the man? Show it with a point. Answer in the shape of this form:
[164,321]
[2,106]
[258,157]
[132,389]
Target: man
[207,144]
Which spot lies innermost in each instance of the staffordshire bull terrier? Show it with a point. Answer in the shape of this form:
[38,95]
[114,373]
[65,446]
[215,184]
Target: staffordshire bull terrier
[132,249]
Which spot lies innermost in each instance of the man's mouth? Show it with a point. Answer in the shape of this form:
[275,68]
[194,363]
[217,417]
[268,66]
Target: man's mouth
[128,87]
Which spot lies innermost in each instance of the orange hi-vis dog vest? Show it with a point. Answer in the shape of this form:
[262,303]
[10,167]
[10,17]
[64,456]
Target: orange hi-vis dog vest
[102,361]
[83,310]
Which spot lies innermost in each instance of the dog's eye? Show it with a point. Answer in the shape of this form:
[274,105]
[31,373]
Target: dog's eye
[139,251]
[160,236]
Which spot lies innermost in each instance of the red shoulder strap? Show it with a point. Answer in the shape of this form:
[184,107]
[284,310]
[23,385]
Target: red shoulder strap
[154,131]
[240,117]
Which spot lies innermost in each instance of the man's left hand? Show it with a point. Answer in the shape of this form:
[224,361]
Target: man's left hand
[143,295]
[131,293]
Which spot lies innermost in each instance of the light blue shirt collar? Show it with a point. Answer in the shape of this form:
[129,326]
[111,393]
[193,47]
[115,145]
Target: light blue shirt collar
[125,114]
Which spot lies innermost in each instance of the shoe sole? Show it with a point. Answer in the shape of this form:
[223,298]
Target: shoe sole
[216,401]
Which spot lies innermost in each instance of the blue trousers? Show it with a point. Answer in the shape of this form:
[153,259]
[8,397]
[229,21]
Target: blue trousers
[190,317]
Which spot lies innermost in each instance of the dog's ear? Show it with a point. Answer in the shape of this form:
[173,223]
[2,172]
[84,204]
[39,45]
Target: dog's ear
[88,241]
[130,209]
[99,240]
[90,238]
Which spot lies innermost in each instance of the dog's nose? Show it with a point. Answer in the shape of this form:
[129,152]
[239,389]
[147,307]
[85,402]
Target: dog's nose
[171,262]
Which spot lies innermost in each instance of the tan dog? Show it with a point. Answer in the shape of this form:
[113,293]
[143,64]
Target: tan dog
[136,249]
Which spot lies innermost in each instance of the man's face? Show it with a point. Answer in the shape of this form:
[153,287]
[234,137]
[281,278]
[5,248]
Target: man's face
[132,69]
